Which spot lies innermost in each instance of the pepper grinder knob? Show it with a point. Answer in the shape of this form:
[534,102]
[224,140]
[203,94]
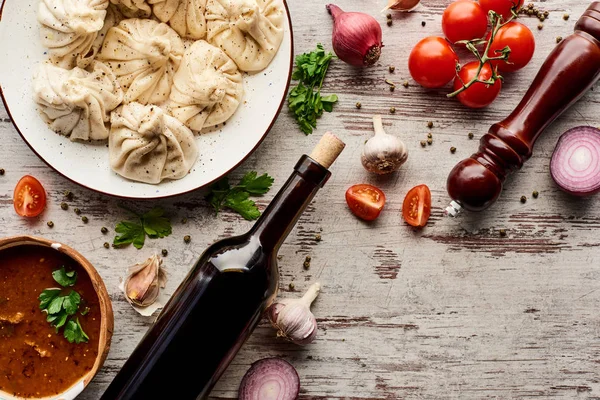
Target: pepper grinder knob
[569,71]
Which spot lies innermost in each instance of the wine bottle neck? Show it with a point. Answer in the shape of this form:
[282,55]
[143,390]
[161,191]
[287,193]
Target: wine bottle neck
[284,211]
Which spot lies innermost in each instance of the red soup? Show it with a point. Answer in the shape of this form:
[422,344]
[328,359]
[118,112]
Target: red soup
[35,359]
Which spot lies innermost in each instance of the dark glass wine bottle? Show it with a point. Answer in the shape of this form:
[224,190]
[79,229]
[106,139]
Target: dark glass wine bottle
[221,301]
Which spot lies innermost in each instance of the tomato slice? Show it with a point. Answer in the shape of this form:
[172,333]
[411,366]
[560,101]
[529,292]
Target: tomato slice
[365,201]
[416,208]
[29,198]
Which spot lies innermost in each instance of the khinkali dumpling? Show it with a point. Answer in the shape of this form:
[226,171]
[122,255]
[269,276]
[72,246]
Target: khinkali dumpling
[77,103]
[207,88]
[148,145]
[250,31]
[144,55]
[133,8]
[185,16]
[69,29]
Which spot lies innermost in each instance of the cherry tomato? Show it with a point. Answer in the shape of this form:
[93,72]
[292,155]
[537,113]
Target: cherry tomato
[365,201]
[432,62]
[502,7]
[521,42]
[479,95]
[464,20]
[29,197]
[416,208]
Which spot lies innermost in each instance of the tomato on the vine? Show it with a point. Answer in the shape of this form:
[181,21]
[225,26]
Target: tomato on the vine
[365,201]
[432,62]
[29,198]
[479,94]
[416,208]
[502,7]
[464,20]
[521,42]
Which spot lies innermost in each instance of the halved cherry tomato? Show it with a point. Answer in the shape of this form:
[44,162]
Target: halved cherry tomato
[416,208]
[365,201]
[464,20]
[479,95]
[521,42]
[432,62]
[502,7]
[30,197]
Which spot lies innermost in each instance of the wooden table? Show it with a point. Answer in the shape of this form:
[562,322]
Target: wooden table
[452,311]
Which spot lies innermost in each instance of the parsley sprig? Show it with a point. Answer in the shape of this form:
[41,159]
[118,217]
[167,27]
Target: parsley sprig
[237,198]
[305,100]
[153,224]
[60,308]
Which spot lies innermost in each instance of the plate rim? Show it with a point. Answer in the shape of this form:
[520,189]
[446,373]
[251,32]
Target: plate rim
[168,196]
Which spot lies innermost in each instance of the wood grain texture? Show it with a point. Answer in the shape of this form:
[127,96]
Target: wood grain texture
[453,311]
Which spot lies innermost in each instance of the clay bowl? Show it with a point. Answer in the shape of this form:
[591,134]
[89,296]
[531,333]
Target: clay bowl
[106,312]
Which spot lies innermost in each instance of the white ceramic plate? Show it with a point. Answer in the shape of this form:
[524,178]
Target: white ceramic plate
[87,164]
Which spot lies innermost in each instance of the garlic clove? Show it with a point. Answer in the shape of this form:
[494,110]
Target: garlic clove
[144,281]
[402,5]
[383,153]
[293,319]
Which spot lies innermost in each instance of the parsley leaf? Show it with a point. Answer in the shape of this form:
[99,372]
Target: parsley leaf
[305,100]
[74,332]
[60,307]
[153,224]
[238,198]
[64,278]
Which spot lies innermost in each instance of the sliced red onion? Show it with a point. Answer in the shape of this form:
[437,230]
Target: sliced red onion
[270,379]
[575,165]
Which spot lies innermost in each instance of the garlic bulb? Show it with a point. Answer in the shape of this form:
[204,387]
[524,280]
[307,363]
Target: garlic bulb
[293,318]
[402,5]
[383,153]
[144,281]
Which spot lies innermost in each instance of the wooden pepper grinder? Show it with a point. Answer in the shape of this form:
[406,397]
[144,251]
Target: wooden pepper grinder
[568,72]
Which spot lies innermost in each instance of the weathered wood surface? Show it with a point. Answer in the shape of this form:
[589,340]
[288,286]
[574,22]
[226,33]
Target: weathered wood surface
[453,311]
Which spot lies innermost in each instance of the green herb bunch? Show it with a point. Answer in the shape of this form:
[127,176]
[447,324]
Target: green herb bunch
[153,224]
[305,100]
[61,308]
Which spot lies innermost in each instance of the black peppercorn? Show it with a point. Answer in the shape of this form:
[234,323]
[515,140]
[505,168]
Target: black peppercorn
[471,135]
[187,238]
[165,252]
[2,171]
[77,211]
[358,105]
[502,232]
[392,68]
[392,110]
[50,224]
[423,143]
[106,245]
[535,194]
[104,230]
[430,124]
[523,199]
[452,149]
[423,23]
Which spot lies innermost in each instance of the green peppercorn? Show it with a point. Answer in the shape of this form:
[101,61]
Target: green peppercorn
[390,22]
[85,219]
[535,194]
[77,211]
[559,39]
[405,84]
[2,171]
[165,252]
[546,13]
[502,232]
[318,237]
[530,5]
[452,149]
[540,26]
[292,286]
[523,199]
[64,206]
[50,224]
[391,68]
[471,135]
[187,238]
[566,17]
[392,110]
[358,105]
[530,11]
[542,18]
[68,194]
[429,136]
[423,143]
[429,141]
[430,124]
[104,230]
[389,16]
[106,245]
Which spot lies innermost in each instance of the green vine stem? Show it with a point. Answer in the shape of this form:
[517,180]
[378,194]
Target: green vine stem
[497,23]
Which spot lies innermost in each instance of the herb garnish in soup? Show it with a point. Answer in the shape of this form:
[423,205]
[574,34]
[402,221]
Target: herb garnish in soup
[49,322]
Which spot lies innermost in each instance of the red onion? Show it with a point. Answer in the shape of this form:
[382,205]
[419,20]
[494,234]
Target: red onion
[356,37]
[575,165]
[270,379]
